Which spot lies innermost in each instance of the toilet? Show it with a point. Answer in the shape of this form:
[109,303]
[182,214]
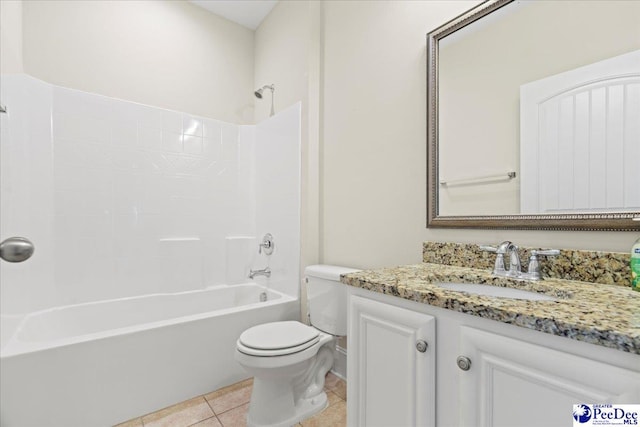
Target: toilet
[289,359]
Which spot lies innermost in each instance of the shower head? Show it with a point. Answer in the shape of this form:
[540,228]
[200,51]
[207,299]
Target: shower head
[258,94]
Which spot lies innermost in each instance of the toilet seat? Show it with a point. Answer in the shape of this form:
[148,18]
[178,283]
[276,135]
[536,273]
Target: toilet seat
[272,353]
[277,339]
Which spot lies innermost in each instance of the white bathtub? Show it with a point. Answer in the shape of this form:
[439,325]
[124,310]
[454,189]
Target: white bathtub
[98,364]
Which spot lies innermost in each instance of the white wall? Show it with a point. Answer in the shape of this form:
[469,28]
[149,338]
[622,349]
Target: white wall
[281,49]
[374,163]
[169,54]
[374,139]
[10,36]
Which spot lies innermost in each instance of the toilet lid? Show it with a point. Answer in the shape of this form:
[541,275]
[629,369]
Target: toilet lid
[278,336]
[278,352]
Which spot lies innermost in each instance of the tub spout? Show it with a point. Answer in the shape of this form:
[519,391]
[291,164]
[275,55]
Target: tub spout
[264,272]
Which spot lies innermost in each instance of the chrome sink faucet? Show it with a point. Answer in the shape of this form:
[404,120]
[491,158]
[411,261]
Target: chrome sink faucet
[515,266]
[505,248]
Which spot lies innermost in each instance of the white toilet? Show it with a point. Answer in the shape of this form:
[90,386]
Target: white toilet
[289,360]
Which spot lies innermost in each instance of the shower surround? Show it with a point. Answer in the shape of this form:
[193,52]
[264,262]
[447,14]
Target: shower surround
[124,201]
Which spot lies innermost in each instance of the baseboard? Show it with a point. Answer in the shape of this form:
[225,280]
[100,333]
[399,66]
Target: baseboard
[340,362]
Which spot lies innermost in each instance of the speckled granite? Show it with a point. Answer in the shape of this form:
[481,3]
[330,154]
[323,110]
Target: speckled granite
[609,268]
[595,313]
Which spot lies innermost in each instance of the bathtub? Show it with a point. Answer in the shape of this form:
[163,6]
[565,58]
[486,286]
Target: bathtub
[101,363]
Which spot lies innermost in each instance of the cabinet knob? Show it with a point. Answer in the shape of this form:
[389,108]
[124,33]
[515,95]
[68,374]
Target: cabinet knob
[464,363]
[421,346]
[16,249]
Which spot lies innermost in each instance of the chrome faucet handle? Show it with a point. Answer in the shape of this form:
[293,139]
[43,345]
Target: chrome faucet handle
[533,272]
[548,252]
[498,267]
[267,244]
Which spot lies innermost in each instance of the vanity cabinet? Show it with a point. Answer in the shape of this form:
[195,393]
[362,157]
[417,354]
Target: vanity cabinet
[391,365]
[517,383]
[516,377]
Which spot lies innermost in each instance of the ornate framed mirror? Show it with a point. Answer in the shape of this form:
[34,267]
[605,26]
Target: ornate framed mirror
[533,116]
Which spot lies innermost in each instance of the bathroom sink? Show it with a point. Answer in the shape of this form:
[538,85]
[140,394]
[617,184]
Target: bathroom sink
[495,291]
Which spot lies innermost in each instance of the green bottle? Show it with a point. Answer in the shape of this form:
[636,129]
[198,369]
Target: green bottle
[635,266]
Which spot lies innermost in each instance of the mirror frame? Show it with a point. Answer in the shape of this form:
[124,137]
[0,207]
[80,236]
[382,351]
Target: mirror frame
[594,222]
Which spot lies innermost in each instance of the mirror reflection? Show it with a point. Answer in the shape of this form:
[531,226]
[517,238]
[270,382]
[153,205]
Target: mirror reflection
[539,110]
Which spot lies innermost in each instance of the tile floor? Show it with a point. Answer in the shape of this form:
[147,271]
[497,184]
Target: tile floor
[228,407]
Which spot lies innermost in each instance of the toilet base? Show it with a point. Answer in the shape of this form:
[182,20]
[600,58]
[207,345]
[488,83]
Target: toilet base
[304,409]
[284,396]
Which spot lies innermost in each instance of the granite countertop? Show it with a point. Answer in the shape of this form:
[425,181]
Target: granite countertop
[606,315]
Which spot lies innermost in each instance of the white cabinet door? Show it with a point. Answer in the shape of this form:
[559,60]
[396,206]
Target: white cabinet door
[391,382]
[516,383]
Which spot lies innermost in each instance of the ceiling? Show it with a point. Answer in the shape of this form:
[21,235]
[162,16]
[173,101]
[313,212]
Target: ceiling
[248,13]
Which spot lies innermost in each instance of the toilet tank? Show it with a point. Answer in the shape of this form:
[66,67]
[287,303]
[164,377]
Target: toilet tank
[327,298]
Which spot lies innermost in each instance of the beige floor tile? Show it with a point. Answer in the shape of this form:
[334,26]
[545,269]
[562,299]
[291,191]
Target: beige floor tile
[209,422]
[236,417]
[330,381]
[181,415]
[232,387]
[136,422]
[334,416]
[333,398]
[340,389]
[232,399]
[230,404]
